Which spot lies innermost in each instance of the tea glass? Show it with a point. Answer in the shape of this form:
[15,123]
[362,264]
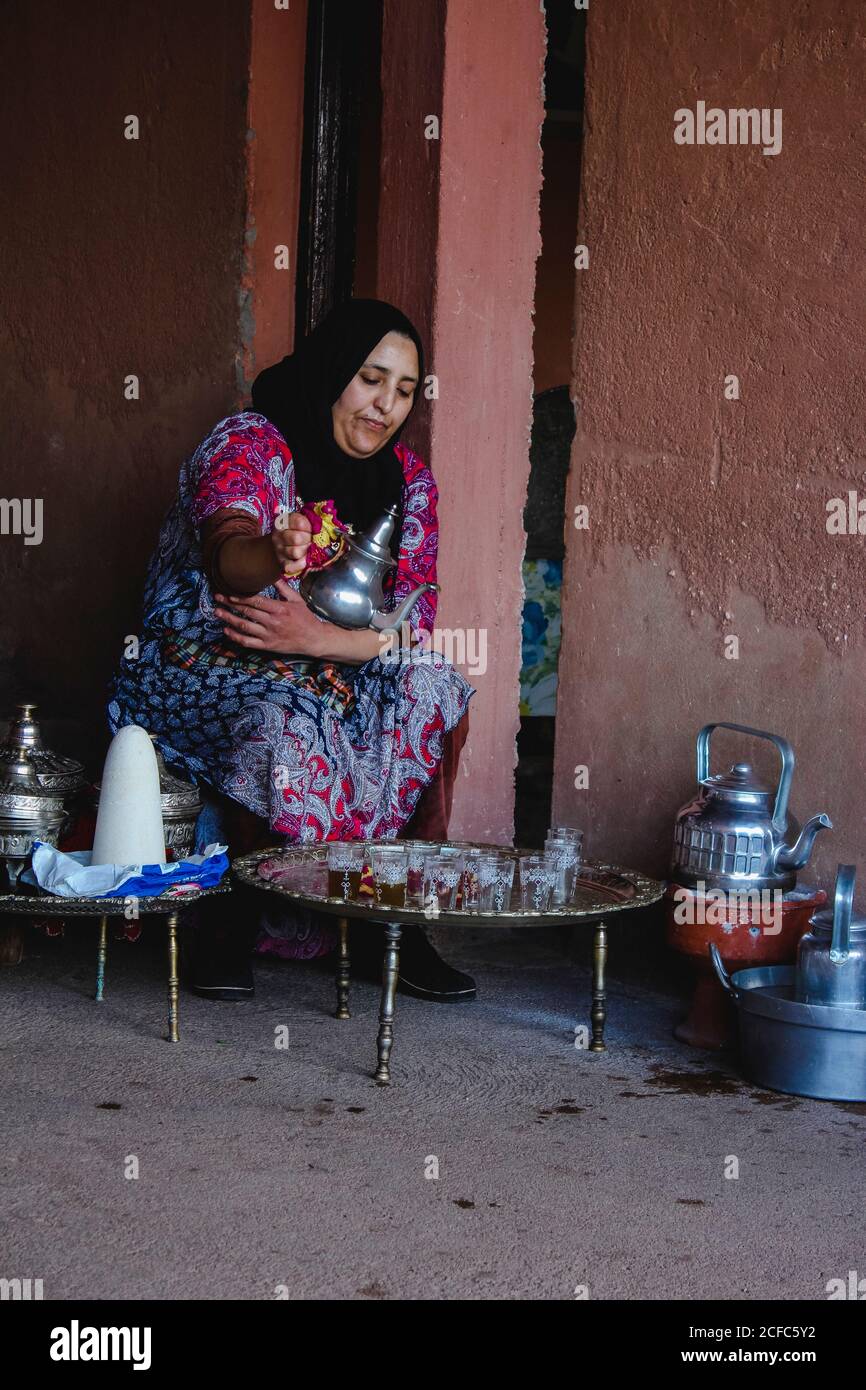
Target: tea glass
[495,877]
[567,832]
[442,875]
[345,868]
[538,877]
[390,865]
[468,896]
[308,870]
[565,854]
[417,851]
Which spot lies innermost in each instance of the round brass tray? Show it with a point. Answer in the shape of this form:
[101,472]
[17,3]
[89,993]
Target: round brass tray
[52,905]
[600,897]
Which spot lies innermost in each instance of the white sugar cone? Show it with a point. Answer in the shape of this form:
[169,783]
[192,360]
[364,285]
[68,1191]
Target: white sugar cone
[129,827]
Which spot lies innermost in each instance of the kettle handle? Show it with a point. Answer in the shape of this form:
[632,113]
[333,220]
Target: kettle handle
[843,903]
[718,966]
[786,752]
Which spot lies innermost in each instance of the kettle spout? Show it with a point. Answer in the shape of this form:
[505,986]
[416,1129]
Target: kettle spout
[385,622]
[798,854]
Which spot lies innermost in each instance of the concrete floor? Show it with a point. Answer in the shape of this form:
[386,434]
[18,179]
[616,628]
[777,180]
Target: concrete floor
[265,1171]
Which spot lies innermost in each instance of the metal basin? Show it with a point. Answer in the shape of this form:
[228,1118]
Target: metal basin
[802,1049]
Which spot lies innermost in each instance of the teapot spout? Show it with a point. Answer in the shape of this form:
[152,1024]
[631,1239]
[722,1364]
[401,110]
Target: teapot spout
[384,622]
[797,855]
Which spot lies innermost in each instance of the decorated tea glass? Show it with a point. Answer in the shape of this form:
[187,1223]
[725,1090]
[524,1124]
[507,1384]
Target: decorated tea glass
[567,832]
[309,870]
[442,875]
[390,865]
[417,851]
[468,892]
[538,876]
[345,868]
[565,854]
[494,875]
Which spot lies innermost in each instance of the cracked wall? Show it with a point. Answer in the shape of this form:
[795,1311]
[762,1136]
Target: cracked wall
[708,515]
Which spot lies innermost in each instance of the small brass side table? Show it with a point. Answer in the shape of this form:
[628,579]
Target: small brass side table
[171,907]
[604,891]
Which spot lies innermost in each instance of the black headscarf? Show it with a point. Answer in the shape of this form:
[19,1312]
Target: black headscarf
[296,395]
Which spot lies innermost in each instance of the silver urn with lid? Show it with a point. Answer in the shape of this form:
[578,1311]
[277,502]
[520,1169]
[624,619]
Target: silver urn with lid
[737,832]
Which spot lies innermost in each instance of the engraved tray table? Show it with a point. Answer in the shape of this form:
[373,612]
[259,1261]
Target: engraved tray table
[602,892]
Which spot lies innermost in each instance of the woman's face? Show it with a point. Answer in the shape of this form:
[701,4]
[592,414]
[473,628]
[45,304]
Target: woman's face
[378,398]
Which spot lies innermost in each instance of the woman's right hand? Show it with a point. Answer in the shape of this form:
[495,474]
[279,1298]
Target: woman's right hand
[291,538]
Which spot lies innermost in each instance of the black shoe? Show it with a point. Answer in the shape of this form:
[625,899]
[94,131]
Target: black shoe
[220,966]
[228,980]
[422,973]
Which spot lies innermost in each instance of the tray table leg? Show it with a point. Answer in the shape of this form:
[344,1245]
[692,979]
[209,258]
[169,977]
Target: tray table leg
[173,982]
[101,957]
[343,971]
[390,973]
[599,996]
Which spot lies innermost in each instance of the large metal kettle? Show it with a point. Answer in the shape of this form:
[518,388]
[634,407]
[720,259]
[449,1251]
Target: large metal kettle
[737,833]
[831,957]
[349,592]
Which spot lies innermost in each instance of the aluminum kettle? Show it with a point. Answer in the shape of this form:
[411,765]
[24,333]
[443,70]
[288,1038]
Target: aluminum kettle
[737,833]
[831,957]
[349,592]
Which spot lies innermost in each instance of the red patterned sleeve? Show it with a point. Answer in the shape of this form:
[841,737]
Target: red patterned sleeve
[419,542]
[233,469]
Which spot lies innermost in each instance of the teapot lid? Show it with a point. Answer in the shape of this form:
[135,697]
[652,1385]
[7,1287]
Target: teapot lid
[823,921]
[18,778]
[374,541]
[18,775]
[740,780]
[56,774]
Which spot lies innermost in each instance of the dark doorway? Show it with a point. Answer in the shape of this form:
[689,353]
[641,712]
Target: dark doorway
[553,417]
[340,161]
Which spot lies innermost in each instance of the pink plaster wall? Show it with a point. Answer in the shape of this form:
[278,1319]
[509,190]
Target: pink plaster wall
[488,241]
[707,515]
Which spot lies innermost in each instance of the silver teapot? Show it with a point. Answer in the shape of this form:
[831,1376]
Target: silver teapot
[831,957]
[349,592]
[737,833]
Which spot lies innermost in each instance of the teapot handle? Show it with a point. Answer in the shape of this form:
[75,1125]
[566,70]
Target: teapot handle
[786,752]
[843,903]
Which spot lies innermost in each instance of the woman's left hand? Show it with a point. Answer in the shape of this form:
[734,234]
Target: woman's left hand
[284,626]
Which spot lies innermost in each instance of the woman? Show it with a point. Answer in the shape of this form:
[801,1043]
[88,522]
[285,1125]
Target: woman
[295,722]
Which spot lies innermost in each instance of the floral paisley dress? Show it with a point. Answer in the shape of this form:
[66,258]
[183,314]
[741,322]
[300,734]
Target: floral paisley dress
[322,751]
